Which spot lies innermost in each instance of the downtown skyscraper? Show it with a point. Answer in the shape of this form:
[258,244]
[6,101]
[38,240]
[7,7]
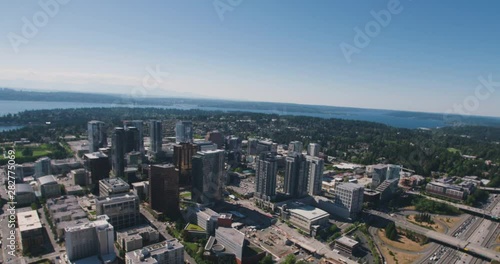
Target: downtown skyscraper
[139,125]
[155,135]
[295,184]
[118,151]
[96,131]
[209,176]
[184,132]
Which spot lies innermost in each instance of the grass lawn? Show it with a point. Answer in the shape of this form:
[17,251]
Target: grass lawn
[453,150]
[402,243]
[193,246]
[194,227]
[186,195]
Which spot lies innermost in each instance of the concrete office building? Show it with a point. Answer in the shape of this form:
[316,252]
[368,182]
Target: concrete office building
[216,137]
[233,240]
[313,149]
[295,146]
[296,175]
[305,217]
[42,167]
[97,136]
[137,237]
[79,177]
[48,186]
[25,195]
[164,189]
[183,155]
[155,135]
[346,245]
[139,125]
[97,167]
[205,145]
[112,186]
[233,143]
[209,176]
[349,199]
[141,189]
[184,132]
[166,252]
[30,231]
[118,147]
[255,146]
[314,170]
[91,239]
[381,172]
[205,218]
[122,209]
[265,176]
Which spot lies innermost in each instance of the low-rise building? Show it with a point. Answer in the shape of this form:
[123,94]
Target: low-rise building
[451,191]
[110,186]
[346,245]
[25,195]
[141,189]
[204,217]
[233,240]
[79,177]
[169,251]
[137,237]
[48,186]
[305,217]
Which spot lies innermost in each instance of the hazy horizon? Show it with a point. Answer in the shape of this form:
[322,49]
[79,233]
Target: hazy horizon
[264,52]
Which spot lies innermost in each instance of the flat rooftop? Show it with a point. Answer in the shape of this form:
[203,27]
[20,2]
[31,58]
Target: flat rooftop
[95,155]
[309,212]
[347,241]
[28,221]
[232,234]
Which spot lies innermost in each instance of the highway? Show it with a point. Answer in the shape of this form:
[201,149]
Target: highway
[443,238]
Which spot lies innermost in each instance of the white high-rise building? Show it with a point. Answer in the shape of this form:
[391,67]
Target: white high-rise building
[314,170]
[91,239]
[313,149]
[96,131]
[184,132]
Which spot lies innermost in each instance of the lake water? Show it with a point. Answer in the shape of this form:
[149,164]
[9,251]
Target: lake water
[392,118]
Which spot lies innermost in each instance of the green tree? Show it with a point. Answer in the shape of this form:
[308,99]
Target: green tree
[290,259]
[267,260]
[391,231]
[27,152]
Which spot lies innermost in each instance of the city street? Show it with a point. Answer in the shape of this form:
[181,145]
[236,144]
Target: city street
[161,227]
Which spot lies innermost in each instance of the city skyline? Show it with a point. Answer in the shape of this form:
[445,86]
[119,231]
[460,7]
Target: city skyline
[262,52]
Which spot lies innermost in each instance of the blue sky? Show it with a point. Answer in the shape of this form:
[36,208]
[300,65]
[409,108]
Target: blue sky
[428,58]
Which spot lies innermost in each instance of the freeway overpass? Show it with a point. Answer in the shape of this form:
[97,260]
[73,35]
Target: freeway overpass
[470,248]
[463,207]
